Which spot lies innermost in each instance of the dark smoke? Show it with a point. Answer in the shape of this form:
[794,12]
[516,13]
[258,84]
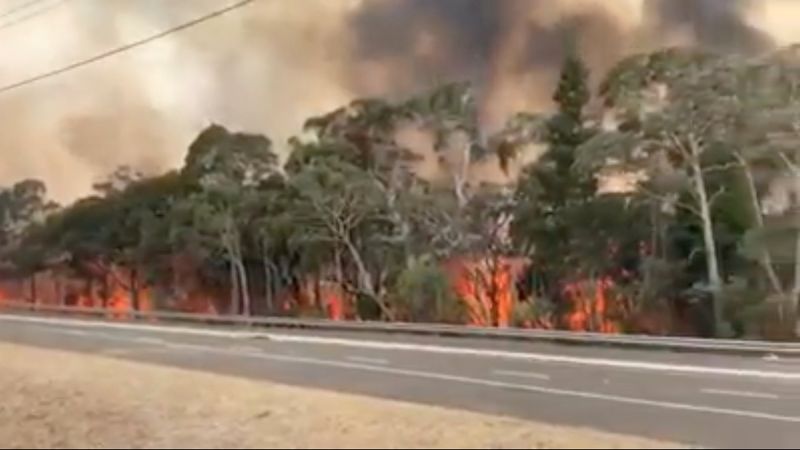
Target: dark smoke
[464,33]
[425,42]
[268,67]
[429,41]
[467,33]
[716,24]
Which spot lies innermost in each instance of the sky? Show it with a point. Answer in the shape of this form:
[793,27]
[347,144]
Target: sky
[268,66]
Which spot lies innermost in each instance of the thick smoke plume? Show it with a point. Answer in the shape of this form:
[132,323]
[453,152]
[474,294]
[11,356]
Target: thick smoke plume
[270,65]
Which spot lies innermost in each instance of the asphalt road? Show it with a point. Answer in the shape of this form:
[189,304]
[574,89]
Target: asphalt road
[695,399]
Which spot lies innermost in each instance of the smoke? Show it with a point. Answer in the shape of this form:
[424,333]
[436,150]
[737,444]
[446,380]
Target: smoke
[716,24]
[269,66]
[509,49]
[266,68]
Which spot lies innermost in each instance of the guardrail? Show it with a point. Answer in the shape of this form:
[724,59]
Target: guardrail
[731,346]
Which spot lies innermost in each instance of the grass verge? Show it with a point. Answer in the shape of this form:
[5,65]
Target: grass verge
[58,399]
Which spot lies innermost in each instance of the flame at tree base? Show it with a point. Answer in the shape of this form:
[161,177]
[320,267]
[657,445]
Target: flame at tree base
[485,285]
[590,302]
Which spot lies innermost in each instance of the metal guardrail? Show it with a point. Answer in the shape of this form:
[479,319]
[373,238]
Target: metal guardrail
[731,346]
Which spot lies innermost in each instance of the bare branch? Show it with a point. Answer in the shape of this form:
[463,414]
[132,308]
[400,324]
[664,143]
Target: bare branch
[702,129]
[789,163]
[722,167]
[663,198]
[678,145]
[715,196]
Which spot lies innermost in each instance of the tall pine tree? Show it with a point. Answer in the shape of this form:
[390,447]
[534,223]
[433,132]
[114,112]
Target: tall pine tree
[550,192]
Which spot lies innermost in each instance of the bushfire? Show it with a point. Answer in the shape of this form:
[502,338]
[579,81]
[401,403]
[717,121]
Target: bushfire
[487,286]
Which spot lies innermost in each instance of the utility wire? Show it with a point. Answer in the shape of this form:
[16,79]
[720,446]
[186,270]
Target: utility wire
[26,17]
[125,47]
[20,7]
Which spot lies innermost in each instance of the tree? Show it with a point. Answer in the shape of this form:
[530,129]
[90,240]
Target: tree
[137,216]
[118,180]
[21,206]
[768,134]
[363,136]
[549,191]
[223,170]
[450,113]
[270,229]
[337,205]
[676,114]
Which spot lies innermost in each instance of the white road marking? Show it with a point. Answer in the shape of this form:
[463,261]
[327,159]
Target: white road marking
[747,394]
[76,332]
[115,351]
[245,348]
[149,340]
[499,384]
[427,348]
[469,380]
[133,351]
[128,326]
[514,373]
[361,359]
[539,357]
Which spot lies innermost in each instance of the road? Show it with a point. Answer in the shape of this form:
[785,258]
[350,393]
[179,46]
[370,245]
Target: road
[695,399]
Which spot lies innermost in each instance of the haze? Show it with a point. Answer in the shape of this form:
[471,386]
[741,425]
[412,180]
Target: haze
[267,67]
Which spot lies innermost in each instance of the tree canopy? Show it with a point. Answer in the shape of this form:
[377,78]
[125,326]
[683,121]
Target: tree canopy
[666,197]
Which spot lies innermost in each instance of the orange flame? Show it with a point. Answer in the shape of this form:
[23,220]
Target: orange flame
[484,283]
[332,299]
[315,294]
[486,286]
[590,306]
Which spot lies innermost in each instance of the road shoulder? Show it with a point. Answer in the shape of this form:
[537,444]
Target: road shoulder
[62,399]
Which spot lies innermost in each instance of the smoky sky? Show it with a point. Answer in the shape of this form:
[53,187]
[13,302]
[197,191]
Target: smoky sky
[466,34]
[268,67]
[469,32]
[472,27]
[717,24]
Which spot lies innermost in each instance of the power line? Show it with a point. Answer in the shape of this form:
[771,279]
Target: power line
[20,7]
[126,47]
[26,17]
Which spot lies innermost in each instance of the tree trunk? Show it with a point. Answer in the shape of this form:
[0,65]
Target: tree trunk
[765,259]
[494,292]
[459,187]
[234,306]
[794,298]
[655,228]
[244,285]
[268,284]
[337,257]
[105,288]
[477,276]
[90,290]
[712,263]
[365,281]
[59,289]
[461,176]
[134,288]
[340,274]
[34,294]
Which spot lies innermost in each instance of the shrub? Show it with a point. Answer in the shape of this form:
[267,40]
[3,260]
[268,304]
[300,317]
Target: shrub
[423,293]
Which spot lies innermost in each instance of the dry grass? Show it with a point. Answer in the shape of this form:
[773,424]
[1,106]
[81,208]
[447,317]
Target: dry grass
[58,399]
